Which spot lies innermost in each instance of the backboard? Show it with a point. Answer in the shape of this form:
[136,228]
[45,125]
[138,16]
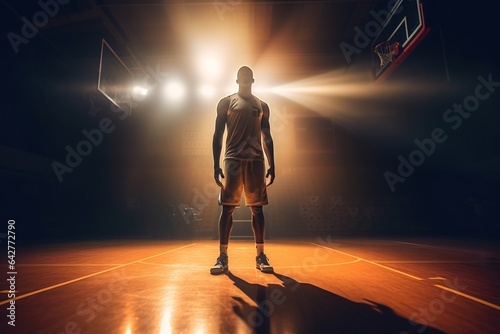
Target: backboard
[115,79]
[405,24]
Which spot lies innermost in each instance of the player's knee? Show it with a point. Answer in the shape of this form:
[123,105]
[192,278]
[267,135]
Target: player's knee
[226,209]
[256,210]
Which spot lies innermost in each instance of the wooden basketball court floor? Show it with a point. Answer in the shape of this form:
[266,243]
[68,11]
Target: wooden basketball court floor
[319,286]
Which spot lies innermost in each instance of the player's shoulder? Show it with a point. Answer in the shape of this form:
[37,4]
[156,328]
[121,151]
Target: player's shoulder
[225,100]
[264,104]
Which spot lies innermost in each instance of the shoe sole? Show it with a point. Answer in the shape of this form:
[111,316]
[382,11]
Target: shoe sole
[265,270]
[218,271]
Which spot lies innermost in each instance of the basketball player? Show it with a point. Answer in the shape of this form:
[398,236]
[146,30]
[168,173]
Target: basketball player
[247,121]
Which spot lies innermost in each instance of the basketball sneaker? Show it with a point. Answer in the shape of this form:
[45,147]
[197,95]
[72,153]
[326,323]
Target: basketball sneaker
[261,263]
[220,266]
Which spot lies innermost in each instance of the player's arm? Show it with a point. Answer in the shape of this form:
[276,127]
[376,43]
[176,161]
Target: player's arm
[268,142]
[220,124]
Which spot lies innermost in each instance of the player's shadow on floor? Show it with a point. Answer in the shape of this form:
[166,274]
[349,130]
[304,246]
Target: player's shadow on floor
[294,307]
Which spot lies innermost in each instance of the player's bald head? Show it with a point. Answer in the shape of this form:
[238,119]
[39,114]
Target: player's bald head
[244,75]
[245,71]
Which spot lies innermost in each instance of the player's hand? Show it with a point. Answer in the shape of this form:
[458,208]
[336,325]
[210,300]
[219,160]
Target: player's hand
[217,172]
[270,173]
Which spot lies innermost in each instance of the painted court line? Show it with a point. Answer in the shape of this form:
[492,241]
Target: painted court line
[479,300]
[90,275]
[374,263]
[246,267]
[322,265]
[448,248]
[438,262]
[67,264]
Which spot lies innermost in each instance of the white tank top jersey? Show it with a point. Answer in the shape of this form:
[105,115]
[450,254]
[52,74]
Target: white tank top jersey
[244,139]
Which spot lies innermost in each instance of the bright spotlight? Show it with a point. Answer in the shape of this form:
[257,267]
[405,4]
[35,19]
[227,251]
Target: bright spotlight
[138,90]
[175,90]
[211,66]
[209,60]
[206,91]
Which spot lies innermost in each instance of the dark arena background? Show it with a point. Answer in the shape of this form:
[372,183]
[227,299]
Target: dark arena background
[384,216]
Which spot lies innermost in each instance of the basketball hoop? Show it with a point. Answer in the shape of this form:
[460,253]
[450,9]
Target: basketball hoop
[386,51]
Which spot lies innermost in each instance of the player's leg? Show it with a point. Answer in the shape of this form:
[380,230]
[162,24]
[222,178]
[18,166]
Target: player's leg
[225,227]
[230,196]
[258,227]
[256,197]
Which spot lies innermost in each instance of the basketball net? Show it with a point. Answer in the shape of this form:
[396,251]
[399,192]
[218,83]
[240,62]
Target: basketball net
[386,51]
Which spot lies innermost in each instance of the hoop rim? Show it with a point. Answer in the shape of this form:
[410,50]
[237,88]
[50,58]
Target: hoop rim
[394,44]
